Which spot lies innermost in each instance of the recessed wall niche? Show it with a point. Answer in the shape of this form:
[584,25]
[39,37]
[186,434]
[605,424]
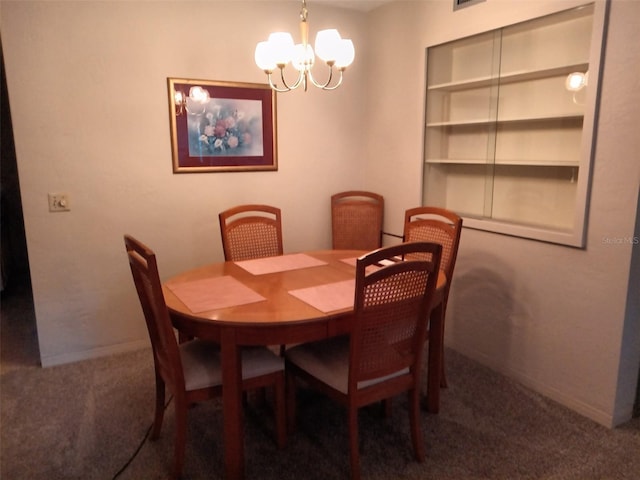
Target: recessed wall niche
[509,129]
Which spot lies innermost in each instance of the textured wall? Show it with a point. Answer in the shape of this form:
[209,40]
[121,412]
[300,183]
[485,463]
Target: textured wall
[554,317]
[87,85]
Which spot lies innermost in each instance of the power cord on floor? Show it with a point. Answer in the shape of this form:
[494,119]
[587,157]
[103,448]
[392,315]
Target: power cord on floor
[135,454]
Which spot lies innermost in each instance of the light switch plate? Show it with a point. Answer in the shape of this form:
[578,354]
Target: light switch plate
[58,202]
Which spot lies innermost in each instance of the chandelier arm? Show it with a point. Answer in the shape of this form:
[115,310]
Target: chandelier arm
[296,84]
[287,87]
[326,86]
[275,87]
[336,85]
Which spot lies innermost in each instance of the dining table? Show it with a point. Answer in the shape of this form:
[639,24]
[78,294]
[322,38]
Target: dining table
[282,300]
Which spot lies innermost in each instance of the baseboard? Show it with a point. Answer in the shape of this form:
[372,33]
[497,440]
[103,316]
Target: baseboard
[588,411]
[53,360]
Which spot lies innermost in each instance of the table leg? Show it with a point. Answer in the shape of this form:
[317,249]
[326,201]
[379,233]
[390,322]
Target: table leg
[232,406]
[434,367]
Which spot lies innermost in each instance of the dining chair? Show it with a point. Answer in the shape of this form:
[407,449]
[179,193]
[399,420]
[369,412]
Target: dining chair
[382,355]
[192,371]
[433,224]
[251,231]
[356,220]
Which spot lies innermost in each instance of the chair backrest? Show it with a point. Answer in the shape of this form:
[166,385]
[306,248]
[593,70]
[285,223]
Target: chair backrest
[356,220]
[251,231]
[394,292]
[166,355]
[433,224]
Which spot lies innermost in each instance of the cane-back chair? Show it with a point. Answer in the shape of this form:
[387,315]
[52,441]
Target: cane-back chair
[191,371]
[251,231]
[433,224]
[382,355]
[356,220]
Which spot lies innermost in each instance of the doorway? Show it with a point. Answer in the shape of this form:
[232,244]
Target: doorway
[19,333]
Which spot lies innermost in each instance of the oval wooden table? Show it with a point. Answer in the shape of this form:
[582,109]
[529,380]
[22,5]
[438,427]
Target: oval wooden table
[204,303]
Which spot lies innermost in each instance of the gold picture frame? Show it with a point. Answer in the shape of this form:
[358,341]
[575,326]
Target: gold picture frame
[222,126]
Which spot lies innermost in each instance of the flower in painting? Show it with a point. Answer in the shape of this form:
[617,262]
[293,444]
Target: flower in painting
[230,122]
[220,130]
[227,127]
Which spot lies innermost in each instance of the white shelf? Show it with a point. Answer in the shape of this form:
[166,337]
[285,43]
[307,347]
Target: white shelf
[459,161]
[506,144]
[542,118]
[491,121]
[515,162]
[465,84]
[528,75]
[509,77]
[486,121]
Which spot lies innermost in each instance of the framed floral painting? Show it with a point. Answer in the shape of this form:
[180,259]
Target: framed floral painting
[222,126]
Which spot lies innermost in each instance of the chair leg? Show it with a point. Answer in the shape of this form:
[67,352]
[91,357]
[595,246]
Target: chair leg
[181,436]
[260,396]
[443,378]
[280,411]
[414,420]
[387,407]
[353,443]
[291,402]
[159,412]
[182,338]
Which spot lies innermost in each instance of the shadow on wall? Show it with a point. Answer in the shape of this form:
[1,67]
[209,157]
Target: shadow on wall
[482,309]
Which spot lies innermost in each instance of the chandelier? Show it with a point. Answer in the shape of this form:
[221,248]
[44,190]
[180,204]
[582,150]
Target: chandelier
[278,51]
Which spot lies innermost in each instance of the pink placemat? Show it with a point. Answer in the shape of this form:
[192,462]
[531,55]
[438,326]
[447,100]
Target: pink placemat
[328,297]
[282,263]
[350,261]
[371,268]
[214,293]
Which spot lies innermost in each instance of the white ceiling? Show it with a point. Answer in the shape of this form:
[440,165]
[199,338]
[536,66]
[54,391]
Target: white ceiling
[363,5]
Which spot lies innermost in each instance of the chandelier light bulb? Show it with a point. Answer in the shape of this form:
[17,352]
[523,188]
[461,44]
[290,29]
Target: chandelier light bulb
[264,57]
[346,54]
[303,57]
[328,44]
[281,45]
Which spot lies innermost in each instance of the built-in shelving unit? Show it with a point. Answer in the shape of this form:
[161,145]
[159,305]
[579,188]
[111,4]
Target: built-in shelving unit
[507,145]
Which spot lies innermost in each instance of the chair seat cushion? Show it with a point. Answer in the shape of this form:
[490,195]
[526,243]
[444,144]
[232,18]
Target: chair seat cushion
[328,361]
[202,365]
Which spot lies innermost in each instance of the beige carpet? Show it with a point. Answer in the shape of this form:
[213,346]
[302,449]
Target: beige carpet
[85,420]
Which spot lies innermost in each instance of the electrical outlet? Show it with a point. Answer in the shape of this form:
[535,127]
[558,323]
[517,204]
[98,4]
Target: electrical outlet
[58,202]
